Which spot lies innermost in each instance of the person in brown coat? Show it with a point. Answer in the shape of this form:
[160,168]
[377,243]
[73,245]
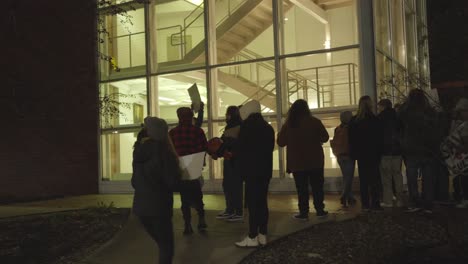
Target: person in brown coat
[304,135]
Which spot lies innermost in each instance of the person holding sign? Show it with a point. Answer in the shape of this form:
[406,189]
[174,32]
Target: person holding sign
[190,140]
[232,181]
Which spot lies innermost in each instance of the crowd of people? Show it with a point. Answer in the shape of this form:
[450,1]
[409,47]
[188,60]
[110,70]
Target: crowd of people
[427,143]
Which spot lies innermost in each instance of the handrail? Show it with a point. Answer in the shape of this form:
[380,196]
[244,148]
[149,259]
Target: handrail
[184,30]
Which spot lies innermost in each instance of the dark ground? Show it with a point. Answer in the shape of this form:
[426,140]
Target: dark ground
[392,236]
[58,238]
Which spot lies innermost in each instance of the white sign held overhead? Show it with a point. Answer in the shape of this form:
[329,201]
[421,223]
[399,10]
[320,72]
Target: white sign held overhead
[195,97]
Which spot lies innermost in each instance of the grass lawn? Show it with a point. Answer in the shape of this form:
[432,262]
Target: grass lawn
[392,236]
[58,238]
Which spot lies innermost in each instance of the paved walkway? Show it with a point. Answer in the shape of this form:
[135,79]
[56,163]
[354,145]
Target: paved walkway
[133,245]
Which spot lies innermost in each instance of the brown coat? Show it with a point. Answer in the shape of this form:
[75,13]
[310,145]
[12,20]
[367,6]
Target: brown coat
[304,144]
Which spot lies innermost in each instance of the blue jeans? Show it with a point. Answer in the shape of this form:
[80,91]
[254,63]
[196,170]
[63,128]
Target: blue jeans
[347,166]
[426,167]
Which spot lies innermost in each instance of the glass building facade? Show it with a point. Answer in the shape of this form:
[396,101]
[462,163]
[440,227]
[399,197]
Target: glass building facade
[274,51]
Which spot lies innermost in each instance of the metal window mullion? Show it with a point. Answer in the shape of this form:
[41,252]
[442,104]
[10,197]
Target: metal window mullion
[279,98]
[209,80]
[147,58]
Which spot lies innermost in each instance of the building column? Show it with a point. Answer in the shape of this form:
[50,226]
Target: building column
[367,71]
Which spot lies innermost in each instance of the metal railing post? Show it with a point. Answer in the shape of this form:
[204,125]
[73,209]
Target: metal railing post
[130,49]
[349,84]
[354,83]
[318,87]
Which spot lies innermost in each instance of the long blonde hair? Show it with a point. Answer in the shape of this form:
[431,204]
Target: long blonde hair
[365,108]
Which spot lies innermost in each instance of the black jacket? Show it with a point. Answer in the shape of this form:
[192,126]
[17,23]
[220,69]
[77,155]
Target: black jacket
[365,138]
[254,149]
[390,125]
[154,178]
[420,132]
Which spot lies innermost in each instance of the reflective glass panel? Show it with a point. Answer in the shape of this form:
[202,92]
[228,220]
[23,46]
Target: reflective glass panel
[235,85]
[309,26]
[324,80]
[123,103]
[179,42]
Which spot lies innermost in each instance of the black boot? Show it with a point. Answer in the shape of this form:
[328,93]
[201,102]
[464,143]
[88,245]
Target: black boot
[188,229]
[343,202]
[202,223]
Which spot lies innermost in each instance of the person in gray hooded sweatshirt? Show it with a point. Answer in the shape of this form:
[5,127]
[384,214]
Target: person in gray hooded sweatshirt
[155,175]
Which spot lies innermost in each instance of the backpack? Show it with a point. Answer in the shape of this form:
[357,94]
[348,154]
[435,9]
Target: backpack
[340,141]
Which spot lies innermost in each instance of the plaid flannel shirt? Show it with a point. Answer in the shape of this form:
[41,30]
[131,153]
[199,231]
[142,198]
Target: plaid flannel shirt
[188,139]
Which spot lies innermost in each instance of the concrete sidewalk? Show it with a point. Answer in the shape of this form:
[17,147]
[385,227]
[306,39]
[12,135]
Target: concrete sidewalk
[133,245]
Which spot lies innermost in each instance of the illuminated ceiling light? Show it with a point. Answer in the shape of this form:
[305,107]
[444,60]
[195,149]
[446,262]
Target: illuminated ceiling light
[195,2]
[286,19]
[166,99]
[327,44]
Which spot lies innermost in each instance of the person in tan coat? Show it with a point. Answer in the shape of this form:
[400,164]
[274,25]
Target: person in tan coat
[304,135]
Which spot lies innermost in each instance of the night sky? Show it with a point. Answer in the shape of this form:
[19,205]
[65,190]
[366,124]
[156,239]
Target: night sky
[448,40]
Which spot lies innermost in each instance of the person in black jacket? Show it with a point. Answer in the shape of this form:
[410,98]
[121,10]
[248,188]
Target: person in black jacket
[155,175]
[390,164]
[232,180]
[365,147]
[254,152]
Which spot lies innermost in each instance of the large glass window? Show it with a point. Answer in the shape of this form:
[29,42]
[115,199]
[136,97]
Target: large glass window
[244,30]
[123,103]
[240,83]
[116,155]
[309,26]
[398,31]
[381,25]
[172,92]
[122,40]
[179,42]
[324,80]
[411,37]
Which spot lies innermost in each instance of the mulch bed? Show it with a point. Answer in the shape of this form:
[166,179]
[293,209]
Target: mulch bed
[58,238]
[386,237]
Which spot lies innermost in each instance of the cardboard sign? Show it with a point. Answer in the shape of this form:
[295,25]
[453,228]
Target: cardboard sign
[192,165]
[195,97]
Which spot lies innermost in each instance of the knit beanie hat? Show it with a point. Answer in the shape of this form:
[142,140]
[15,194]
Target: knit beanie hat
[156,128]
[345,117]
[185,114]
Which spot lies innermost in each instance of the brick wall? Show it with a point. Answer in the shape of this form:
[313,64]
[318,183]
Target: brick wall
[48,100]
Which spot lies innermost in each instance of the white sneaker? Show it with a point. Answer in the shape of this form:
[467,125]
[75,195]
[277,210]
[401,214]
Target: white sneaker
[262,239]
[386,205]
[248,242]
[462,204]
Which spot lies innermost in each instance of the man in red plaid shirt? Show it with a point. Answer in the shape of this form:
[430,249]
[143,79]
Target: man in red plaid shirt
[189,139]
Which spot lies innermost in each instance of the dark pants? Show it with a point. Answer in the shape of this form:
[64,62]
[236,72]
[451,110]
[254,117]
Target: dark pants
[232,187]
[257,196]
[315,179]
[160,229]
[369,182]
[460,188]
[441,183]
[191,196]
[426,167]
[347,166]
